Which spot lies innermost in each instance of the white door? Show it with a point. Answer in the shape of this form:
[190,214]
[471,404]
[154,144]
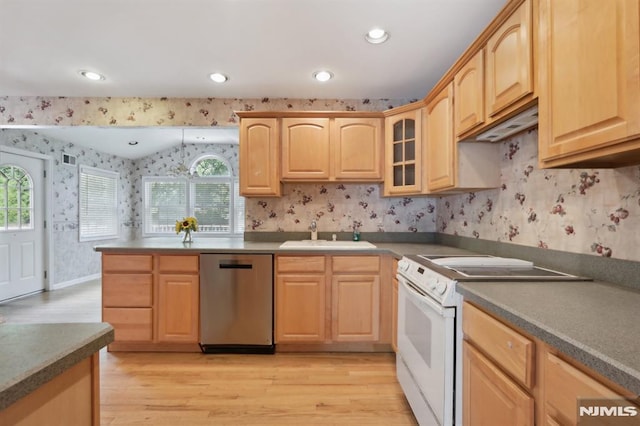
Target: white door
[21,225]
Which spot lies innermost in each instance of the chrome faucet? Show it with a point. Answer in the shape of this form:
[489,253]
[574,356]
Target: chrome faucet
[314,230]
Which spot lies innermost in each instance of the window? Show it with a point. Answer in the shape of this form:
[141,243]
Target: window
[210,193]
[98,204]
[16,199]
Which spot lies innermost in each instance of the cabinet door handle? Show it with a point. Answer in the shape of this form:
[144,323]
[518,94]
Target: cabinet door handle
[235,266]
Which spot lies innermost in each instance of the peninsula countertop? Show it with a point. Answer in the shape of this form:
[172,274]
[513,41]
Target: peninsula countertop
[33,354]
[238,245]
[594,322]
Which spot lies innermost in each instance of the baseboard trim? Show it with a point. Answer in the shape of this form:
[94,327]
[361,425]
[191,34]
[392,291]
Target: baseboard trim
[80,280]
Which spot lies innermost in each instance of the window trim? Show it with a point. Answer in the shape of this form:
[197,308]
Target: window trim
[190,180]
[88,170]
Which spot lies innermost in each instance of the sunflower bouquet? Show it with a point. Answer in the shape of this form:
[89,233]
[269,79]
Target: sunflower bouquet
[187,225]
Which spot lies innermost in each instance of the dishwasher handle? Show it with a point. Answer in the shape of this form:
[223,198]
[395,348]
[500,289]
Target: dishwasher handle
[234,264]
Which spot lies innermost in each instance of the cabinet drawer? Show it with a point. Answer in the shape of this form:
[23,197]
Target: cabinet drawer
[127,263]
[355,263]
[130,324]
[179,264]
[300,264]
[127,290]
[509,349]
[564,384]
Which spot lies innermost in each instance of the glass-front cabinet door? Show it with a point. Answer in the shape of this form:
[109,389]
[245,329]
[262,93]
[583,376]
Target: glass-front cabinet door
[403,141]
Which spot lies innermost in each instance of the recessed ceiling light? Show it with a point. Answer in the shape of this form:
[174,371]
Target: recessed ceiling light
[218,77]
[91,75]
[323,75]
[377,36]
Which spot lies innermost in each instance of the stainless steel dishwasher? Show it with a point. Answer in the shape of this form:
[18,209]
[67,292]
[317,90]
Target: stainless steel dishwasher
[236,303]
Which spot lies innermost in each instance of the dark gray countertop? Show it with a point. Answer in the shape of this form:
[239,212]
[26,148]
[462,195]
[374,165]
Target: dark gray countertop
[595,323]
[33,354]
[237,245]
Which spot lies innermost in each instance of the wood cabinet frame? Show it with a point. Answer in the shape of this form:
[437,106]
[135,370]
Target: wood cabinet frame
[362,275]
[346,146]
[147,322]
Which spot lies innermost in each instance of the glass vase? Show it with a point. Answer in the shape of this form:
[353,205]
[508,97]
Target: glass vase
[187,236]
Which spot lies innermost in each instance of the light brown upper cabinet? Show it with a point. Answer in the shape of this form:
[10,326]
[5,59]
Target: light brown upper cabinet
[509,68]
[469,93]
[403,150]
[305,148]
[357,148]
[439,141]
[308,146]
[260,157]
[589,104]
[316,149]
[452,166]
[495,79]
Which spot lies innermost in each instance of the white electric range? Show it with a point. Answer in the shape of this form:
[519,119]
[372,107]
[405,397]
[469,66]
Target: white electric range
[429,368]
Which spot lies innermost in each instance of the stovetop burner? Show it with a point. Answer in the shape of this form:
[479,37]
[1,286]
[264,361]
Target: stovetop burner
[436,275]
[481,267]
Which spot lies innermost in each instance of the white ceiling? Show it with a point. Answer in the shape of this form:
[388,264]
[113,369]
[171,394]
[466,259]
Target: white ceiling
[115,140]
[268,48]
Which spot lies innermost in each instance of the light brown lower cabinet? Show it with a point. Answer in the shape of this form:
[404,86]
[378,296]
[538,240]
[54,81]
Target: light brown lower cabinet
[565,385]
[70,398]
[334,300]
[355,303]
[300,308]
[127,296]
[152,301]
[178,308]
[490,396]
[130,324]
[500,388]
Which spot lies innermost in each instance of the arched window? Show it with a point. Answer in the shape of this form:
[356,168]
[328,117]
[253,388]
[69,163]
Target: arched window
[210,166]
[16,199]
[210,193]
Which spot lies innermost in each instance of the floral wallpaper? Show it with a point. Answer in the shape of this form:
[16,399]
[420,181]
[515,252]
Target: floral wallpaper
[337,208]
[592,211]
[163,111]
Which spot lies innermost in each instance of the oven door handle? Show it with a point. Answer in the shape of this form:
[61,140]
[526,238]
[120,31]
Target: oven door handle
[425,300]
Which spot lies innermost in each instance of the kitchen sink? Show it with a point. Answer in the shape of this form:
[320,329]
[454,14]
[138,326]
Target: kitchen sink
[326,245]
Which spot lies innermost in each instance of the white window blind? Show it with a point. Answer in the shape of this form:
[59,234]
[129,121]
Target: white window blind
[98,204]
[165,201]
[212,206]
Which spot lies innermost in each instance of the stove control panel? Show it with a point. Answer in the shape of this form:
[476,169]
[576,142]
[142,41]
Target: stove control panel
[433,283]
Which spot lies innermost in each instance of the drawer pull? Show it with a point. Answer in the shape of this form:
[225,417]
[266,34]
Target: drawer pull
[509,344]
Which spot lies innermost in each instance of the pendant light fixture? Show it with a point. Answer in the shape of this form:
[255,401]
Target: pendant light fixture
[181,169]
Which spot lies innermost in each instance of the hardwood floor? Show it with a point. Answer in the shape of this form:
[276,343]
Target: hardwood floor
[188,389]
[282,389]
[78,303]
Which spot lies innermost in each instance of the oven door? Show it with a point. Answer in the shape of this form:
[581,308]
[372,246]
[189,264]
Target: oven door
[426,335]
